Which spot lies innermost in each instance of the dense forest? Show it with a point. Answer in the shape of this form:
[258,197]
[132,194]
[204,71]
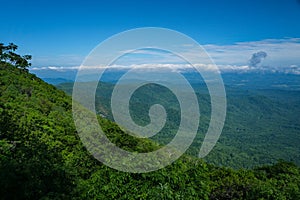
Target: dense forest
[42,157]
[261,127]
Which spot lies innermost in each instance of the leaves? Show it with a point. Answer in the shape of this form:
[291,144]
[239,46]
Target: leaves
[8,55]
[41,156]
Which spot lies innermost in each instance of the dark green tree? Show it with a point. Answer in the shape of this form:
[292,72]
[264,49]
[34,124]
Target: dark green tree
[8,55]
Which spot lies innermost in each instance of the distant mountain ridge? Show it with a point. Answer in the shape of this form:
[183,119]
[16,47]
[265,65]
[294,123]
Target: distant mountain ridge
[246,80]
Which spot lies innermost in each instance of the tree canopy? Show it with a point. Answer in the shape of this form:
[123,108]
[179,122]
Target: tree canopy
[8,55]
[42,157]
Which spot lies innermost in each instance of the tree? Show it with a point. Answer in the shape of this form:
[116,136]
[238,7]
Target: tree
[8,55]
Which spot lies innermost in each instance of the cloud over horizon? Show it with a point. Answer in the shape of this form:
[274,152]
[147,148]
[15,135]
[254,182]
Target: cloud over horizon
[272,55]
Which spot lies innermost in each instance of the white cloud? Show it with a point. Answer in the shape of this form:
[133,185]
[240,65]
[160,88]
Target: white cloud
[281,52]
[151,66]
[282,56]
[56,68]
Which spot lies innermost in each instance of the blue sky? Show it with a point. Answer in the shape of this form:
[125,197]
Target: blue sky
[62,33]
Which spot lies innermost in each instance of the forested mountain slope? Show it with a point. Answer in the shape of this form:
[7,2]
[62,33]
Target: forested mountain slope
[41,157]
[261,126]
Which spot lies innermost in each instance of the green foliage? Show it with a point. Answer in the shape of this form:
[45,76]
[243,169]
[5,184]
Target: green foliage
[185,179]
[31,139]
[41,157]
[8,55]
[261,127]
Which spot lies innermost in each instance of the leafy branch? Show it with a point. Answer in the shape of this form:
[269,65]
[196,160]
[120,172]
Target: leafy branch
[8,55]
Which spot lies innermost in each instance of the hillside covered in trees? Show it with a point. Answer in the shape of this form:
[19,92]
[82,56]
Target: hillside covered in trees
[262,125]
[42,157]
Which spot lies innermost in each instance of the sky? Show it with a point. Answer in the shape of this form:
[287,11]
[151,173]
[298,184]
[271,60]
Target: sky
[62,33]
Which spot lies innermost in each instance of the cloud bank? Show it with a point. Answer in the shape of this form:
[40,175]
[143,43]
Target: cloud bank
[270,55]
